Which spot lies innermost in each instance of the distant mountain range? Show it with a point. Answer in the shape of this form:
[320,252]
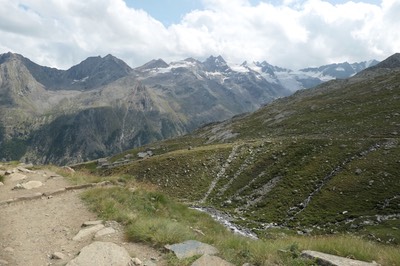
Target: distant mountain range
[102,106]
[291,80]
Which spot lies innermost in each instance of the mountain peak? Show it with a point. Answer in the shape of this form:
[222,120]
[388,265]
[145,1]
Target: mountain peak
[214,64]
[9,56]
[392,61]
[97,71]
[217,60]
[191,60]
[155,63]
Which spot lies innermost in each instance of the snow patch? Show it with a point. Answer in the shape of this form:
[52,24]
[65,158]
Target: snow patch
[239,68]
[80,80]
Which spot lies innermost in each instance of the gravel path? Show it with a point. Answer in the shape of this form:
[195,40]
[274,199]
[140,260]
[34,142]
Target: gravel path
[32,230]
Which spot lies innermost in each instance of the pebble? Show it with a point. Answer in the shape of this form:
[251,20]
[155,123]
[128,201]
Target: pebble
[57,256]
[136,261]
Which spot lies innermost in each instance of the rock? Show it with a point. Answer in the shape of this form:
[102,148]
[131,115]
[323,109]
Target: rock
[358,171]
[24,170]
[191,248]
[68,169]
[32,184]
[9,172]
[104,232]
[3,262]
[87,232]
[136,261]
[211,261]
[1,184]
[57,256]
[332,260]
[17,177]
[18,186]
[102,254]
[91,223]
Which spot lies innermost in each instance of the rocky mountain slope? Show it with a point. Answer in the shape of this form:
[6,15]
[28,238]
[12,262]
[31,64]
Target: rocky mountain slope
[102,106]
[323,160]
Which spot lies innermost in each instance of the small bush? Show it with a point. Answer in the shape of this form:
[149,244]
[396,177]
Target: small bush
[1,178]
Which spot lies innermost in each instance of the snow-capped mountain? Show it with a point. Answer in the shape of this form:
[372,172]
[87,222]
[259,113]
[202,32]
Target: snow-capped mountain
[307,77]
[213,82]
[281,81]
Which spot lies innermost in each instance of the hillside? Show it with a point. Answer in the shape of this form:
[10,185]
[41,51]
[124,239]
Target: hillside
[323,160]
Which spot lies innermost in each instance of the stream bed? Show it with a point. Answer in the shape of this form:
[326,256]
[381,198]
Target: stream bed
[227,221]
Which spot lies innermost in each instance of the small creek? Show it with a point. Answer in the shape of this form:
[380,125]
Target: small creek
[227,221]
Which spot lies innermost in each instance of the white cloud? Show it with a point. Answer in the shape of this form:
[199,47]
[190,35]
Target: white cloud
[294,33]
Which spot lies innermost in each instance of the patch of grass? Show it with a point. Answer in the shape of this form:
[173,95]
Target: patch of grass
[1,178]
[161,231]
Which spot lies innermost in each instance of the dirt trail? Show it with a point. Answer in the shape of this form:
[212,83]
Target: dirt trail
[32,230]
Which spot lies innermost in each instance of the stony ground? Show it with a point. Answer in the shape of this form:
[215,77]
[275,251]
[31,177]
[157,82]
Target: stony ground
[35,231]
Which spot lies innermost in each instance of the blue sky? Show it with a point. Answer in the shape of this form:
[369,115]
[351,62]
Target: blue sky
[288,33]
[166,11]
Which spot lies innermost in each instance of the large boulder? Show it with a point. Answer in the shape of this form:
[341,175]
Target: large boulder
[332,260]
[191,248]
[102,254]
